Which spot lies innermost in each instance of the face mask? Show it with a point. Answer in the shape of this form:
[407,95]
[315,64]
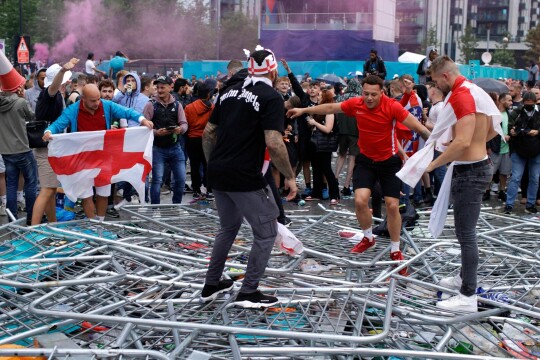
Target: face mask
[528,107]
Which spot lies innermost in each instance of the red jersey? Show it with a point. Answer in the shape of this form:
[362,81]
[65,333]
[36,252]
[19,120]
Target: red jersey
[376,127]
[88,122]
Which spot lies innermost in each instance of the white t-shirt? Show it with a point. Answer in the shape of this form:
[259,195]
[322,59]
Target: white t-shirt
[90,67]
[433,115]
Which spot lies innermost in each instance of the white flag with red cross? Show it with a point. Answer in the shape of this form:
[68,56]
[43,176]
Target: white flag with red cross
[98,158]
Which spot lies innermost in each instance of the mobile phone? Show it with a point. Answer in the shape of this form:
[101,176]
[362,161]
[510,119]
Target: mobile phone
[171,127]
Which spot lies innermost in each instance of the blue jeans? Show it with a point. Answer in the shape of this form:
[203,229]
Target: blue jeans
[518,167]
[15,164]
[174,156]
[468,184]
[437,175]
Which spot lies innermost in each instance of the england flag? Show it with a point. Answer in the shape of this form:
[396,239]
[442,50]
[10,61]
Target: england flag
[98,158]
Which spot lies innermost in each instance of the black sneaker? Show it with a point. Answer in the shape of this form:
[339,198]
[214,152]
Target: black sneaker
[284,220]
[210,292]
[255,300]
[531,209]
[346,191]
[112,213]
[502,196]
[486,196]
[209,196]
[507,210]
[187,189]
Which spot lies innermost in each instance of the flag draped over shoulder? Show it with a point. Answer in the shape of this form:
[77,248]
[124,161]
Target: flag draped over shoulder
[463,97]
[98,158]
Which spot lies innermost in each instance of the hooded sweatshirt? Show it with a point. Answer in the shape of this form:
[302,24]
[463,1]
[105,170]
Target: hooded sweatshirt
[14,113]
[197,115]
[32,94]
[347,125]
[136,100]
[424,65]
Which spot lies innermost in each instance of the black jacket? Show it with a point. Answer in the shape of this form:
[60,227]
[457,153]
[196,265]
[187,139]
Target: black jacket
[379,65]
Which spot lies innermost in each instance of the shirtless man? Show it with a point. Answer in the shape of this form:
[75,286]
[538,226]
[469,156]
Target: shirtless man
[471,175]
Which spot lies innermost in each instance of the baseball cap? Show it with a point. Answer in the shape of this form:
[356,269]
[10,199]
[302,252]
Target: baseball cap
[51,73]
[163,80]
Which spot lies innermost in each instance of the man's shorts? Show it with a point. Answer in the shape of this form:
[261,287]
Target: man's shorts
[103,191]
[2,166]
[348,144]
[501,162]
[367,172]
[46,175]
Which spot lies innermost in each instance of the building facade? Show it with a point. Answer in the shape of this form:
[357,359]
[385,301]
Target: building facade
[495,22]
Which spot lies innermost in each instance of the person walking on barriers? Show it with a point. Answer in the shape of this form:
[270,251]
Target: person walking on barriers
[376,117]
[248,117]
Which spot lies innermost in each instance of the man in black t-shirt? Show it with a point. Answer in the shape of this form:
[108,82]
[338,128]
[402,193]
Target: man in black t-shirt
[248,117]
[49,107]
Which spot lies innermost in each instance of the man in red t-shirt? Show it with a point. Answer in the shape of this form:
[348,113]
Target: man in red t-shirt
[91,113]
[376,116]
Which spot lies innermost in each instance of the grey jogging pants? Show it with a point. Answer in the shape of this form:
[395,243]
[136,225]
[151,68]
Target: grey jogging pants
[260,211]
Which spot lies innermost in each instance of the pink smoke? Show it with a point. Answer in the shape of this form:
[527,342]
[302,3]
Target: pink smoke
[144,30]
[41,53]
[64,49]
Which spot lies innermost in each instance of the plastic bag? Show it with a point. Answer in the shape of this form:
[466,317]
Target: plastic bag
[287,242]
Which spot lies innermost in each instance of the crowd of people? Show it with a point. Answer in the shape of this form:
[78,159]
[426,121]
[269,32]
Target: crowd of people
[224,124]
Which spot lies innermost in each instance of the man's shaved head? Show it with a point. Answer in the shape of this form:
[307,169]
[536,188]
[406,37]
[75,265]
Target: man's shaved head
[91,97]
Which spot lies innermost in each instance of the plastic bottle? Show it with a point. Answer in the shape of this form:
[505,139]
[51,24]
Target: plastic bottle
[492,295]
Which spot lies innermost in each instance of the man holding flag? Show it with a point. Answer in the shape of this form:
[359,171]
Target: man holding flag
[91,113]
[472,117]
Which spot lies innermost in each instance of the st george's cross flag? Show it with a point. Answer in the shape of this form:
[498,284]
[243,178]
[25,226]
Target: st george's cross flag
[464,99]
[98,158]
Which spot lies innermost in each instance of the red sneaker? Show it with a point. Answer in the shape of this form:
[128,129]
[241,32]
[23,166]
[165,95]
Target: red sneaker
[363,245]
[397,256]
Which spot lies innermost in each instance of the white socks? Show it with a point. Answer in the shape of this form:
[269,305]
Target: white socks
[20,196]
[100,218]
[369,234]
[394,246]
[3,199]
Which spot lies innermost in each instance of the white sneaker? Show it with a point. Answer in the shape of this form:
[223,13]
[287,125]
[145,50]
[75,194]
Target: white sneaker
[451,282]
[494,187]
[3,210]
[459,303]
[135,199]
[121,204]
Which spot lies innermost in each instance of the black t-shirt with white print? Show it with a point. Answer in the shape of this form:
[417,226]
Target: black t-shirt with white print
[242,115]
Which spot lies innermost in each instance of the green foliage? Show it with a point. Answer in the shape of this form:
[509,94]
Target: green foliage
[533,42]
[430,39]
[9,21]
[467,45]
[235,27]
[503,56]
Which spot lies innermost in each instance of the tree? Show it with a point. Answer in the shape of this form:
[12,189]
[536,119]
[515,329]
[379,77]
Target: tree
[503,56]
[431,38]
[9,21]
[234,27]
[467,45]
[533,42]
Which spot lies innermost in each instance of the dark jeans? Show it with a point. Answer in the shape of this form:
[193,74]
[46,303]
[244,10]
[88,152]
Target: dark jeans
[469,182]
[437,175]
[15,164]
[260,211]
[322,167]
[275,192]
[196,161]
